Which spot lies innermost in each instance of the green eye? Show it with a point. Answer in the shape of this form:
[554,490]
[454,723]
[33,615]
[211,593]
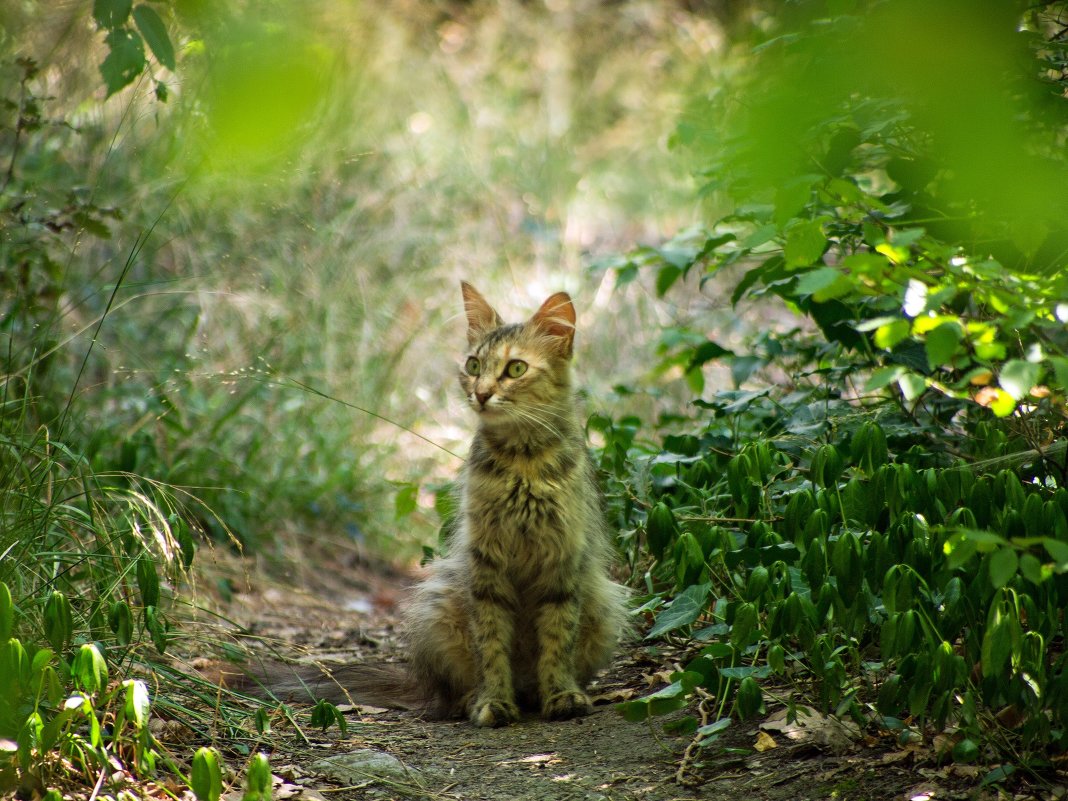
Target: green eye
[515,368]
[473,367]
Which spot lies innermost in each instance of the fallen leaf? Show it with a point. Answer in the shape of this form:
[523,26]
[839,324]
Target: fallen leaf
[764,742]
[814,728]
[614,695]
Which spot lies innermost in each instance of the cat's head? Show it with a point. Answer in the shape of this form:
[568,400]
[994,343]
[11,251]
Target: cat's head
[517,372]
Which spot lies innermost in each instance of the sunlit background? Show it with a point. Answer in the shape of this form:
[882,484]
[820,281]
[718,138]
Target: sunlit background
[298,214]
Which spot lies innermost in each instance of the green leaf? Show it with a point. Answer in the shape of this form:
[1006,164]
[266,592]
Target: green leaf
[689,559]
[121,621]
[1003,403]
[996,646]
[1003,565]
[824,284]
[750,698]
[89,670]
[777,659]
[709,731]
[148,581]
[258,778]
[1060,370]
[1056,549]
[668,275]
[889,334]
[1031,569]
[912,386]
[405,501]
[1017,377]
[684,610]
[125,59]
[660,528]
[58,623]
[791,197]
[663,701]
[805,244]
[942,343]
[155,33]
[111,13]
[998,774]
[157,628]
[7,613]
[206,778]
[883,377]
[137,704]
[746,622]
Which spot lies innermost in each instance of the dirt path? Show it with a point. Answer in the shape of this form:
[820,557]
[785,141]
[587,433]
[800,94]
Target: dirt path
[387,754]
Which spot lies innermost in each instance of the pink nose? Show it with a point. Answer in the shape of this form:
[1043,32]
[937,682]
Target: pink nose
[482,397]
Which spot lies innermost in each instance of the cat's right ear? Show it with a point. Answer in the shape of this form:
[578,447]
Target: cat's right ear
[481,317]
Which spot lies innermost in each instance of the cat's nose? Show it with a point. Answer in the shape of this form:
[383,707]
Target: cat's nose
[482,397]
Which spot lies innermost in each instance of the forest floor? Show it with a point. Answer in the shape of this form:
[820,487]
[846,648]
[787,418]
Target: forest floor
[350,613]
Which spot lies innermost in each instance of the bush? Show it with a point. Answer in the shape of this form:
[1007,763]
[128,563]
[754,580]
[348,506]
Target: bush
[885,523]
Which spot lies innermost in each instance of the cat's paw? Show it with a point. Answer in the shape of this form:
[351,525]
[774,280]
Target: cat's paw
[566,704]
[491,712]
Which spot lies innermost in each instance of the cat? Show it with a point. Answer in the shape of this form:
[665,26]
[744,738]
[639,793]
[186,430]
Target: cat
[521,608]
[520,611]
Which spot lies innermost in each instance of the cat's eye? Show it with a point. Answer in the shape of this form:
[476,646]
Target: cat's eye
[515,368]
[473,367]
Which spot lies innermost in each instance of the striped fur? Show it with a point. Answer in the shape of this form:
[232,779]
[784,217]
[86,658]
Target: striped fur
[520,611]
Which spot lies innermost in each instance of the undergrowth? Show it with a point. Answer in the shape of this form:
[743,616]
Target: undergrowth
[874,520]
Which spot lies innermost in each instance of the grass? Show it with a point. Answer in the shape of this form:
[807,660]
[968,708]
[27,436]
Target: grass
[426,149]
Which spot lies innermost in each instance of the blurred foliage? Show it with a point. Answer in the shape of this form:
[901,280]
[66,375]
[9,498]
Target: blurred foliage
[875,514]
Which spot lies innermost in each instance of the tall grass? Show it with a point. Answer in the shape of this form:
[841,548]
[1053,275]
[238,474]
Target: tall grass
[511,144]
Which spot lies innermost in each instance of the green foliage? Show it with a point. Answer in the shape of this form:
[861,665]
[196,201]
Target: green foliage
[258,779]
[206,777]
[48,720]
[883,524]
[126,60]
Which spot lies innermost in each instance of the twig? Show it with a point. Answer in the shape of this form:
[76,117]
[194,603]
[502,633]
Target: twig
[99,783]
[691,749]
[360,786]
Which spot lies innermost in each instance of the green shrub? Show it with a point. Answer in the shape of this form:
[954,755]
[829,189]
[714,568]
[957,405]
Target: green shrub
[882,523]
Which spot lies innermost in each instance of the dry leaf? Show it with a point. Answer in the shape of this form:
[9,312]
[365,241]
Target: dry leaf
[614,695]
[764,742]
[810,726]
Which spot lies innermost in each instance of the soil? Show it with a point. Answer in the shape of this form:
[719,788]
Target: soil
[352,615]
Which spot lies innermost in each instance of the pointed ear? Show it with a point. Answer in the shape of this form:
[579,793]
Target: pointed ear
[480,315]
[556,317]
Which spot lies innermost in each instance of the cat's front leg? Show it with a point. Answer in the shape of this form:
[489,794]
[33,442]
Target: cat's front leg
[557,622]
[493,604]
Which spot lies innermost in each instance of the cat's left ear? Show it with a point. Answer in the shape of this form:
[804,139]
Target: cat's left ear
[556,317]
[481,317]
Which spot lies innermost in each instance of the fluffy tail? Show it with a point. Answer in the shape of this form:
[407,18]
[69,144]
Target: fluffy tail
[382,684]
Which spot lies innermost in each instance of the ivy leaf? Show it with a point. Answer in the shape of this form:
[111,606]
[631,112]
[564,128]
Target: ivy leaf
[155,33]
[111,14]
[684,610]
[125,59]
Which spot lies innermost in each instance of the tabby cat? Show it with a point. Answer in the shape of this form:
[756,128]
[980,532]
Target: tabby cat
[521,609]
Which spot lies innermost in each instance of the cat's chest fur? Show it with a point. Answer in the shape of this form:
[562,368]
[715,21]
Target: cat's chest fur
[525,505]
